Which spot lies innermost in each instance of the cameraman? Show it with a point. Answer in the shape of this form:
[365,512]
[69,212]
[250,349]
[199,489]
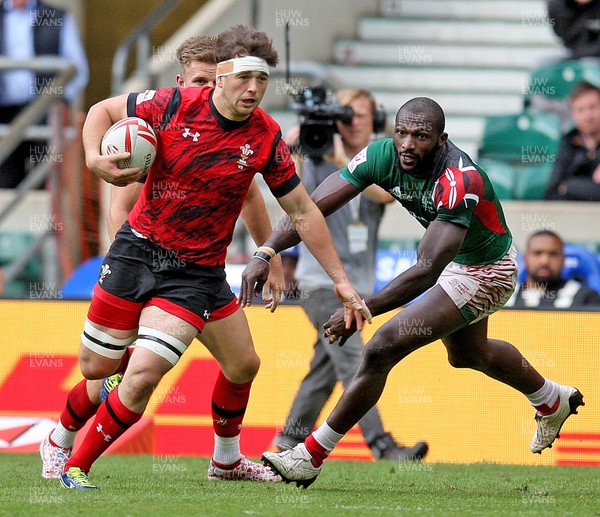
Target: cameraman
[354,230]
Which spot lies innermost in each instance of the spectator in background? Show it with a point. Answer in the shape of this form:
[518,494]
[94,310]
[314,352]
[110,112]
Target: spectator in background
[354,230]
[29,28]
[543,287]
[577,24]
[576,172]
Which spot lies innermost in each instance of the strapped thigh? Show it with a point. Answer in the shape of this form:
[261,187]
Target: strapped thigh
[104,344]
[162,344]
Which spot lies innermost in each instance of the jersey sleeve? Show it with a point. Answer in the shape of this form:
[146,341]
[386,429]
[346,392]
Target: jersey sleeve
[457,193]
[280,172]
[151,105]
[370,165]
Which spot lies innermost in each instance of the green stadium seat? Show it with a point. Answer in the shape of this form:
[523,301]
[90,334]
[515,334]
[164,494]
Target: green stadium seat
[555,81]
[502,175]
[528,142]
[12,245]
[532,181]
[521,139]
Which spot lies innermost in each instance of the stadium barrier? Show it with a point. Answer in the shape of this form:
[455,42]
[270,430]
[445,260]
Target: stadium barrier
[464,416]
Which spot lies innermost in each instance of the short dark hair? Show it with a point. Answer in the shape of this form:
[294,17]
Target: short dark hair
[545,233]
[581,88]
[242,40]
[430,110]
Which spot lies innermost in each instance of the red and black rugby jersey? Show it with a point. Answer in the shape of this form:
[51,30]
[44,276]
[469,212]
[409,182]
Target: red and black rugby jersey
[204,166]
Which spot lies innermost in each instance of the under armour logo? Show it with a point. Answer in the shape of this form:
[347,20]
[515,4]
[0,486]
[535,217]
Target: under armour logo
[206,315]
[187,133]
[107,437]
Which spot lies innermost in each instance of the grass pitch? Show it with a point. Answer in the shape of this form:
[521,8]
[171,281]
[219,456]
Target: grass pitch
[168,485]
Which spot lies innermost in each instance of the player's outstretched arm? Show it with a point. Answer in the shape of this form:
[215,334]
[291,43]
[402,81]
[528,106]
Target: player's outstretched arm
[312,228]
[329,196]
[99,118]
[439,245]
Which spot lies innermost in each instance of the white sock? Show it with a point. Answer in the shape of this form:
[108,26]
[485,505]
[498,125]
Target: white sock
[227,449]
[62,437]
[546,395]
[327,437]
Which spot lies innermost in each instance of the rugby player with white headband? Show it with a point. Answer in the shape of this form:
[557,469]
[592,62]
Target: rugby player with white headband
[211,143]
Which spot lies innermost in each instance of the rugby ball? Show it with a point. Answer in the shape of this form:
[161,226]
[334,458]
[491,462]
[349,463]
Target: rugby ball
[132,135]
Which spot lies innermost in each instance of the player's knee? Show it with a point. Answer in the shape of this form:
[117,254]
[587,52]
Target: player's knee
[96,368]
[101,353]
[375,357]
[140,383]
[243,369]
[458,360]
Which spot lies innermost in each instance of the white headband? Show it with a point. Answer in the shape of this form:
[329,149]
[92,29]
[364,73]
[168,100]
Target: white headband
[242,64]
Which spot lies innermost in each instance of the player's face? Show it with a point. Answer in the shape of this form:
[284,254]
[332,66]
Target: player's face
[544,258]
[585,110]
[197,73]
[241,93]
[417,142]
[356,134]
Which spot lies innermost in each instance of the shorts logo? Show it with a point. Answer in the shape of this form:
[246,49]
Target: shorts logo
[246,152]
[104,272]
[206,315]
[187,133]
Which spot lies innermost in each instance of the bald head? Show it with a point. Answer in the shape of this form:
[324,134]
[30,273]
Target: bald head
[424,111]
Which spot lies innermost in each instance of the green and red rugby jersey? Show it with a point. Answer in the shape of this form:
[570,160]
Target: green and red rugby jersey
[455,191]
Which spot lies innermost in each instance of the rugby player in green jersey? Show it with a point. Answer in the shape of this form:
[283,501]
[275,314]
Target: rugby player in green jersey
[466,270]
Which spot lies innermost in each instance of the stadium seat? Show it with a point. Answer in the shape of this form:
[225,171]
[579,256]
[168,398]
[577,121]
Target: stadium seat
[502,175]
[580,263]
[532,181]
[390,263]
[80,285]
[555,81]
[522,139]
[527,142]
[13,244]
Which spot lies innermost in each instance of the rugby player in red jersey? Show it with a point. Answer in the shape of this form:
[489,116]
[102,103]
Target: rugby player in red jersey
[161,276]
[226,326]
[466,270]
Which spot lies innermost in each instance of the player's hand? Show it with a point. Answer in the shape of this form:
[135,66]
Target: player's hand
[355,309]
[253,279]
[273,288]
[335,328]
[106,168]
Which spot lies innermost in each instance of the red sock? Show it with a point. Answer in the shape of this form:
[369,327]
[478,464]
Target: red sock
[229,403]
[79,408]
[316,450]
[112,420]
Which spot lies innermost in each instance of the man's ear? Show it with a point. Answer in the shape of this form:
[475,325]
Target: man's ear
[219,81]
[443,138]
[180,81]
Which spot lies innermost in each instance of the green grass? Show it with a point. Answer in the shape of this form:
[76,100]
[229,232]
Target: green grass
[158,485]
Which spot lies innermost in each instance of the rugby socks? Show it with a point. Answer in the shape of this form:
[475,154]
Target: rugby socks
[78,410]
[229,401]
[320,443]
[545,400]
[112,420]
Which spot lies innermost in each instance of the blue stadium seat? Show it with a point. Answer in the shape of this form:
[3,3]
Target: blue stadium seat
[580,263]
[80,285]
[389,264]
